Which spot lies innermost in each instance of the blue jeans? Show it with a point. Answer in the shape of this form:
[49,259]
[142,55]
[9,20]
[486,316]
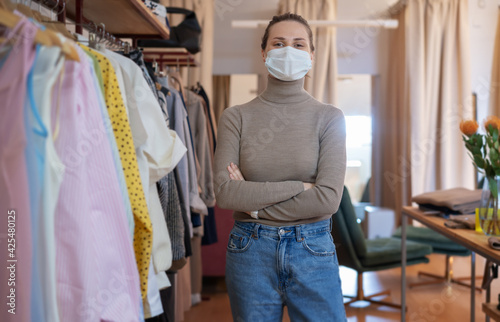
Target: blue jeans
[270,267]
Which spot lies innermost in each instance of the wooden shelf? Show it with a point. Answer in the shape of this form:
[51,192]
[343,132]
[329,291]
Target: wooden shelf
[490,309]
[169,56]
[122,18]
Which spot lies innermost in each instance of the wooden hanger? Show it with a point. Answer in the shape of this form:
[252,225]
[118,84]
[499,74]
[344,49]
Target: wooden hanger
[4,5]
[67,49]
[67,46]
[25,10]
[176,76]
[43,37]
[57,26]
[10,20]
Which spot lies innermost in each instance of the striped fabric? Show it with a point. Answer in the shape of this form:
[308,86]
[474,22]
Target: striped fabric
[169,197]
[14,197]
[97,275]
[143,232]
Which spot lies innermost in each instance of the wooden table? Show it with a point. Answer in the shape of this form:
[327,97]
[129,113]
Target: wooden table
[474,241]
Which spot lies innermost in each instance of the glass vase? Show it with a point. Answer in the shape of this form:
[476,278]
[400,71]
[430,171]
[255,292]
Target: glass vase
[489,218]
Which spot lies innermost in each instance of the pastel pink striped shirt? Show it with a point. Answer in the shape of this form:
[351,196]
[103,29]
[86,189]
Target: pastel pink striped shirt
[97,277]
[15,277]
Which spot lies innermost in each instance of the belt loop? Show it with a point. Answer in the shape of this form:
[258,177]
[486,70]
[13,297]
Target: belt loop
[331,224]
[256,231]
[298,234]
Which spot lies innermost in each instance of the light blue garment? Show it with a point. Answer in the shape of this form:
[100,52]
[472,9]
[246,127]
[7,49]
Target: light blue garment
[47,69]
[269,267]
[114,148]
[177,119]
[36,134]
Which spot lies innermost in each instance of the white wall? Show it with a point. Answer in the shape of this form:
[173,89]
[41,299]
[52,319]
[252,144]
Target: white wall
[362,50]
[237,51]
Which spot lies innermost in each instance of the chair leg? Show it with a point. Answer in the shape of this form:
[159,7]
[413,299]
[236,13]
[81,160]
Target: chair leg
[448,276]
[360,296]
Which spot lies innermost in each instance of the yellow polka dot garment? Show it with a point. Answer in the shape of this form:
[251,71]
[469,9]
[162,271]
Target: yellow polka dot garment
[143,231]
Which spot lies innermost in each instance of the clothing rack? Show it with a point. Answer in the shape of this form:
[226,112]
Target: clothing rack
[97,99]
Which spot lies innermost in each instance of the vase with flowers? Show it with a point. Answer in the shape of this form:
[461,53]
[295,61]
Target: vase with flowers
[485,154]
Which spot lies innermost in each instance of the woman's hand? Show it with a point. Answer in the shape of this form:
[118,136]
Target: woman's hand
[308,185]
[234,172]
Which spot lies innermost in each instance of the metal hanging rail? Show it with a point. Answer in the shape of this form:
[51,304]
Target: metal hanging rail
[380,23]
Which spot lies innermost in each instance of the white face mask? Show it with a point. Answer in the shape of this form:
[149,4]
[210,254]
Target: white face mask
[288,63]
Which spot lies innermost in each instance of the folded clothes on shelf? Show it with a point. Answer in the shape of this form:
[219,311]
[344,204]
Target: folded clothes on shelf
[450,201]
[461,221]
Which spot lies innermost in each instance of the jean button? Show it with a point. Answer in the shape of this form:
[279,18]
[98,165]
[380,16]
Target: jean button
[282,232]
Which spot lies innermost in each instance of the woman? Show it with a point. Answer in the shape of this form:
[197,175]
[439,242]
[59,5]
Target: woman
[280,165]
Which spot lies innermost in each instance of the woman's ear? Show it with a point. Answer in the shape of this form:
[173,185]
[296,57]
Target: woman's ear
[312,56]
[263,55]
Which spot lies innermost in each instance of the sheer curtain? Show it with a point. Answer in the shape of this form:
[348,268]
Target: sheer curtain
[391,175]
[323,81]
[418,144]
[494,108]
[440,93]
[221,95]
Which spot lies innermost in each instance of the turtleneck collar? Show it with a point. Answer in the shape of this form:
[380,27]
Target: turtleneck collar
[281,92]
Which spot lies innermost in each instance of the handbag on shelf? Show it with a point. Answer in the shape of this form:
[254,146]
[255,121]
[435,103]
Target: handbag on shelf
[187,34]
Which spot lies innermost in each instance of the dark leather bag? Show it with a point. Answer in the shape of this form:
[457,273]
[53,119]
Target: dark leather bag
[185,35]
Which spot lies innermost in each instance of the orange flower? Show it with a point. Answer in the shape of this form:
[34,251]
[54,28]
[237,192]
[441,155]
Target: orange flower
[469,127]
[493,121]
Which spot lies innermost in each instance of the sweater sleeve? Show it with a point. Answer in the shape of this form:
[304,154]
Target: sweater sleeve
[239,195]
[324,198]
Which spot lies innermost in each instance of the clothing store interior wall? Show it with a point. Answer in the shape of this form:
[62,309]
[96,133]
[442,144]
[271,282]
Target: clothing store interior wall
[166,254]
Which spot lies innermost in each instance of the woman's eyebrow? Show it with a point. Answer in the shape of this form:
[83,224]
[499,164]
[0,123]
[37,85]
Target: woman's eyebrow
[283,38]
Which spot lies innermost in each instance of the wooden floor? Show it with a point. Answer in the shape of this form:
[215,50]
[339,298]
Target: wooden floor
[440,302]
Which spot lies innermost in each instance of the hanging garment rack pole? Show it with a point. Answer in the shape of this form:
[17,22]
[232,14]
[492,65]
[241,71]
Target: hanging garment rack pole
[61,14]
[165,58]
[81,21]
[382,23]
[79,17]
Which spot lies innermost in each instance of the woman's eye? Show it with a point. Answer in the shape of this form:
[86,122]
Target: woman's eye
[299,45]
[278,44]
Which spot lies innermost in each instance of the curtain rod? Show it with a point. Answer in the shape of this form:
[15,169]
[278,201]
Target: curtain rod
[383,23]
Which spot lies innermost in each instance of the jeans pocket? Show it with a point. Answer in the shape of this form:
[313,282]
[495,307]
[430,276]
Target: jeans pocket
[319,244]
[239,240]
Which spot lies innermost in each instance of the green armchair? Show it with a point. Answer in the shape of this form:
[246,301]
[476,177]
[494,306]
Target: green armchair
[362,255]
[440,245]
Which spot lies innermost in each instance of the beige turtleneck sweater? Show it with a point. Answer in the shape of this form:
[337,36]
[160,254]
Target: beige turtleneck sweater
[279,140]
